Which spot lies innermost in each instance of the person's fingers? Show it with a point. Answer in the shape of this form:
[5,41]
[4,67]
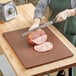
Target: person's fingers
[33,26]
[59,18]
[63,15]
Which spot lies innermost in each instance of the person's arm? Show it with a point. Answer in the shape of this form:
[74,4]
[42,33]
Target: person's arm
[40,8]
[66,13]
[72,12]
[39,13]
[36,23]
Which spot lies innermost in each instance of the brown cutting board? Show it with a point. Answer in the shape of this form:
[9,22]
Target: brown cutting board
[28,56]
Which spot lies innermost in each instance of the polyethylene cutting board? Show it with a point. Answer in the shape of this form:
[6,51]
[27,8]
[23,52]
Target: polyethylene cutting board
[28,56]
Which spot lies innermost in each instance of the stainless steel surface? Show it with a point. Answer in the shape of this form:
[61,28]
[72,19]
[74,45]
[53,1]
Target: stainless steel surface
[40,27]
[7,11]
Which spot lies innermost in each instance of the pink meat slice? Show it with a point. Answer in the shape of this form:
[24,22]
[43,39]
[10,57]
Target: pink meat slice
[37,37]
[46,46]
[40,40]
[37,33]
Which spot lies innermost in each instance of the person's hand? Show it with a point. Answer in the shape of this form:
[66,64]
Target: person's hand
[63,15]
[35,25]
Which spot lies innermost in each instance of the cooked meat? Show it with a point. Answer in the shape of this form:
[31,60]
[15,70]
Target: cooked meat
[40,39]
[46,46]
[37,37]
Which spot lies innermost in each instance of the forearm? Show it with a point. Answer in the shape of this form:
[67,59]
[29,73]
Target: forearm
[40,8]
[72,12]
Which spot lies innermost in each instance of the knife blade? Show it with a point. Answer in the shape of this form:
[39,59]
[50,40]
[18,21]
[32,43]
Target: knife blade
[40,27]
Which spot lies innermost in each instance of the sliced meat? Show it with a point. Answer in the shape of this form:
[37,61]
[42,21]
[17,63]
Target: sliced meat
[37,37]
[46,46]
[40,39]
[36,34]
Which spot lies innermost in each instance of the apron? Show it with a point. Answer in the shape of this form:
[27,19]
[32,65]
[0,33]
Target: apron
[67,27]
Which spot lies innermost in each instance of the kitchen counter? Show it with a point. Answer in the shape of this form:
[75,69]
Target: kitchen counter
[24,19]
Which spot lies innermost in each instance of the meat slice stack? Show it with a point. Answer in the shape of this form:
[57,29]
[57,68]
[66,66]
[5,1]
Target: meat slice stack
[38,39]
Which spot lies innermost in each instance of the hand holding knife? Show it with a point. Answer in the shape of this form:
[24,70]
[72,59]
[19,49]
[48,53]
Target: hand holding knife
[40,27]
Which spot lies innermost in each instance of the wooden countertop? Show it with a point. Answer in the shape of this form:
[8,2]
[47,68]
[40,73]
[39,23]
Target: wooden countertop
[24,19]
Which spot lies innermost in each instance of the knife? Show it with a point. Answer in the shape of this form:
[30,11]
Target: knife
[40,27]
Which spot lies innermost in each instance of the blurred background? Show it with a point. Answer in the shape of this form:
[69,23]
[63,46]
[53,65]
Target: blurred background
[20,2]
